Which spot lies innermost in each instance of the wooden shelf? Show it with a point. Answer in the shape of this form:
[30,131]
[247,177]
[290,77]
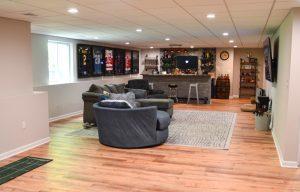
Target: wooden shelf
[248,89]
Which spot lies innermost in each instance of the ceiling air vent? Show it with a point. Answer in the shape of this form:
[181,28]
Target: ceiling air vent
[175,45]
[30,14]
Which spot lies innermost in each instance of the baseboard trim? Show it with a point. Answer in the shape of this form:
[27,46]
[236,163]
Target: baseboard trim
[52,119]
[24,148]
[283,163]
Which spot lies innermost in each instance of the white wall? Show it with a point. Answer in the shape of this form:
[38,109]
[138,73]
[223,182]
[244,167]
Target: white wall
[64,98]
[285,93]
[23,113]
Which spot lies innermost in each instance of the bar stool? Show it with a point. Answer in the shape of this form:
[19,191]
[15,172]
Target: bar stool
[151,85]
[193,85]
[173,92]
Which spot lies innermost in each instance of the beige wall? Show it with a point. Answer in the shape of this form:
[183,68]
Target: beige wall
[15,49]
[285,92]
[242,53]
[224,67]
[23,113]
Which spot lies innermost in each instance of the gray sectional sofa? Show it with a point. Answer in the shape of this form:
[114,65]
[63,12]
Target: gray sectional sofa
[93,95]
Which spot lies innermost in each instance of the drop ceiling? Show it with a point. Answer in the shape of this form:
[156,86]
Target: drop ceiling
[184,21]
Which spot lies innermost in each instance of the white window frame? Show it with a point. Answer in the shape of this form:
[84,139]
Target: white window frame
[65,78]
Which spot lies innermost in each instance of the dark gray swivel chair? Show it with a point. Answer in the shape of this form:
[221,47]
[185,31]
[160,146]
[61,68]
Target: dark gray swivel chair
[131,128]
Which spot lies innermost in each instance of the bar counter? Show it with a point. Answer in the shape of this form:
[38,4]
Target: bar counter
[183,82]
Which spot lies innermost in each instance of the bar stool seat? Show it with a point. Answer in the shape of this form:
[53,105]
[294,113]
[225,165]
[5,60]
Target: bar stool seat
[173,91]
[193,85]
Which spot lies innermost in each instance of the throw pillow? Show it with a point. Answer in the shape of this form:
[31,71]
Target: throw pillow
[129,97]
[118,104]
[112,88]
[120,87]
[139,93]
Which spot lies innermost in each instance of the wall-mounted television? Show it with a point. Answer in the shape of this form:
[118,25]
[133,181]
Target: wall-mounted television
[187,62]
[270,63]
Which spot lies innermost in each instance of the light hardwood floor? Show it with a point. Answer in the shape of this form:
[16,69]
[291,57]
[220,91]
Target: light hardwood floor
[82,164]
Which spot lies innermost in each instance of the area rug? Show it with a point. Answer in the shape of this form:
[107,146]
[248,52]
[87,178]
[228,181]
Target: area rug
[20,167]
[206,129]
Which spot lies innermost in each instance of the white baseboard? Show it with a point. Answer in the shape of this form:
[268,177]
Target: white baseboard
[236,96]
[24,148]
[283,163]
[52,119]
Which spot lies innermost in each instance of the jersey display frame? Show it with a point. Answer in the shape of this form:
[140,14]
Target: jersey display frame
[135,62]
[84,60]
[98,61]
[109,62]
[119,61]
[128,62]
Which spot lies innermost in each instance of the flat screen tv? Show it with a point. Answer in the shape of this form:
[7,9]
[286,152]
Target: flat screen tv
[270,63]
[187,62]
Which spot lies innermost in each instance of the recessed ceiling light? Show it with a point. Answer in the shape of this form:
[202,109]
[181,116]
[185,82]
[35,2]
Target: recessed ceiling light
[127,43]
[73,10]
[96,37]
[210,16]
[192,46]
[225,34]
[139,30]
[235,46]
[167,39]
[231,41]
[151,47]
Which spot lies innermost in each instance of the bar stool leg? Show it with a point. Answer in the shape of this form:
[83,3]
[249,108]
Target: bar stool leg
[189,95]
[197,94]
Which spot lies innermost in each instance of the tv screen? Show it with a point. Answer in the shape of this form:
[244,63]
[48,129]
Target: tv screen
[270,67]
[187,62]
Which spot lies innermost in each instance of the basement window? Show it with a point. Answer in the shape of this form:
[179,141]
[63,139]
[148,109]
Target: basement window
[60,62]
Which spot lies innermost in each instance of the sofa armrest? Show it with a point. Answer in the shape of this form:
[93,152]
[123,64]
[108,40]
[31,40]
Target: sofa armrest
[91,97]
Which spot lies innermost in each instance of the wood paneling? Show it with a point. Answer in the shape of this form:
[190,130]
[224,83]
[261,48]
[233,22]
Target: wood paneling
[82,164]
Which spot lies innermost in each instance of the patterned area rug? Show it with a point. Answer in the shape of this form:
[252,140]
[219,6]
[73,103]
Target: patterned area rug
[207,129]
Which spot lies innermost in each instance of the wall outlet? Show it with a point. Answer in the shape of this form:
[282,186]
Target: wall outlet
[24,124]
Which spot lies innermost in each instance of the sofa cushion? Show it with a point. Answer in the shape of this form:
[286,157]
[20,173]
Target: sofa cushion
[95,89]
[129,97]
[120,87]
[163,120]
[160,103]
[119,104]
[112,88]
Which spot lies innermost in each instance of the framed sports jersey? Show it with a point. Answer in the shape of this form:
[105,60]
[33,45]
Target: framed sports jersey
[109,62]
[84,60]
[135,62]
[127,62]
[98,60]
[119,59]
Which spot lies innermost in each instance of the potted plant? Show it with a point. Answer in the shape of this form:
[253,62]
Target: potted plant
[262,114]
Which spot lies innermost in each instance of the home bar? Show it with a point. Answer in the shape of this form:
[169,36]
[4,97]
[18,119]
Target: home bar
[183,83]
[181,73]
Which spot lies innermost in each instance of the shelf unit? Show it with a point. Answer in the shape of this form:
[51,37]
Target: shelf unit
[248,77]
